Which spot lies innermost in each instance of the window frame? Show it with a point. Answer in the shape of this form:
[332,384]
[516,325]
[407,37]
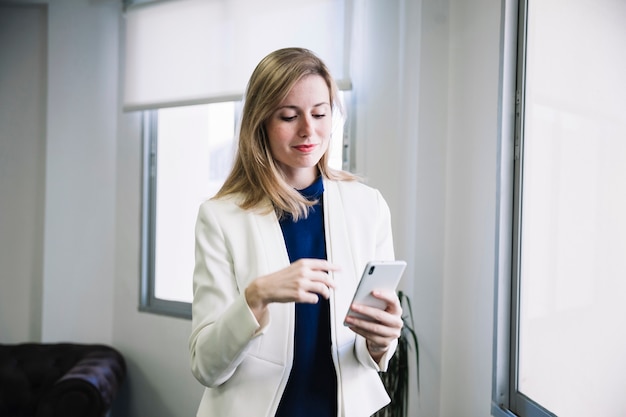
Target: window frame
[507,401]
[508,117]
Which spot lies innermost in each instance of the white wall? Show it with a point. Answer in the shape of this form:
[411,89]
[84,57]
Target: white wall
[428,80]
[79,236]
[470,207]
[22,168]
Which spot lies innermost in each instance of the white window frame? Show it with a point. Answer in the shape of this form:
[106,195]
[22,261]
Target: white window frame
[507,401]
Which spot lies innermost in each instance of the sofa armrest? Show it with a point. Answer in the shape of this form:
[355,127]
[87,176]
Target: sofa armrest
[88,388]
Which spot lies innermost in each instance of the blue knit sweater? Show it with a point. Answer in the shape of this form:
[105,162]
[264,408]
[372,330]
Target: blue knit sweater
[312,386]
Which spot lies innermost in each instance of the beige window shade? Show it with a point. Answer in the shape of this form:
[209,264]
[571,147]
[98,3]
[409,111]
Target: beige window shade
[200,51]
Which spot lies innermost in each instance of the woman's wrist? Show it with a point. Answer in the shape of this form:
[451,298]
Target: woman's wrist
[254,300]
[377,349]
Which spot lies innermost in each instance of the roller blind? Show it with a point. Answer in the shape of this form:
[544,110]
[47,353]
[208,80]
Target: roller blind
[200,51]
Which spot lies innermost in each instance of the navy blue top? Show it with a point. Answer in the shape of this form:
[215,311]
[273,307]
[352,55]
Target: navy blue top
[312,386]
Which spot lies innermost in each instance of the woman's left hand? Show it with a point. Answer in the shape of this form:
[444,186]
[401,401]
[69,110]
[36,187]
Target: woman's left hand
[382,327]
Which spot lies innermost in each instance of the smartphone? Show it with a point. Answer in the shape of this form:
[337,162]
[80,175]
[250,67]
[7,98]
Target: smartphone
[377,275]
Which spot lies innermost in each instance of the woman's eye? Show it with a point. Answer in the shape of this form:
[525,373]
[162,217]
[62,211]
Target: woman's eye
[294,117]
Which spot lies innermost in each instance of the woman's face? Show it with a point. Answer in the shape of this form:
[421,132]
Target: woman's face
[299,130]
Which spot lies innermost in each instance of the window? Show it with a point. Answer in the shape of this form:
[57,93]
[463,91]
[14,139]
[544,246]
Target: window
[188,153]
[560,351]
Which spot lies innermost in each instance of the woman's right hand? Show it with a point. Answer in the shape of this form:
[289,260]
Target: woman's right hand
[300,282]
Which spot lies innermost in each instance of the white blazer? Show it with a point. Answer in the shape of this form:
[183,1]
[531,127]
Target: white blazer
[245,364]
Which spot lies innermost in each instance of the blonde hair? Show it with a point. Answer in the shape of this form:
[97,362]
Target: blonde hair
[255,176]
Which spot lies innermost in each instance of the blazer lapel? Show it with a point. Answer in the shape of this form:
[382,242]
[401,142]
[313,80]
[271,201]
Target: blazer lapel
[339,251]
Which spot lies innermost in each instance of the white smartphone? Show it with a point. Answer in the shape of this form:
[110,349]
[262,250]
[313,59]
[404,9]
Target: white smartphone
[381,275]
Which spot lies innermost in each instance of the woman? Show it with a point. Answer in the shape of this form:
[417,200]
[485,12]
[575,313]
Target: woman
[279,252]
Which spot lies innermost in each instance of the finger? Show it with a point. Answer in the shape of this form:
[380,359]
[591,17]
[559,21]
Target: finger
[378,332]
[310,290]
[387,318]
[324,290]
[316,270]
[323,278]
[374,339]
[309,298]
[319,264]
[390,298]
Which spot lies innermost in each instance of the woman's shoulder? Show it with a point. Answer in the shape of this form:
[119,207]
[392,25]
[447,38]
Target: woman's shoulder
[219,208]
[229,205]
[220,202]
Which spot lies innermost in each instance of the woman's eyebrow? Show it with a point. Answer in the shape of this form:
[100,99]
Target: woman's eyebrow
[293,106]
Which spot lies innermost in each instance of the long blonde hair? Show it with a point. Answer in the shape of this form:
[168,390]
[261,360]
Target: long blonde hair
[255,176]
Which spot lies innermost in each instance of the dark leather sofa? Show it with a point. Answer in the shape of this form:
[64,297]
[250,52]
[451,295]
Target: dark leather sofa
[59,380]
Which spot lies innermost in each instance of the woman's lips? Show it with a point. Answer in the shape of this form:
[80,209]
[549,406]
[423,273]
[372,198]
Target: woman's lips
[305,148]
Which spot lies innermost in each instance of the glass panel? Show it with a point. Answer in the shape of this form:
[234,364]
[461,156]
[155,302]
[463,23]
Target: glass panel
[195,150]
[573,247]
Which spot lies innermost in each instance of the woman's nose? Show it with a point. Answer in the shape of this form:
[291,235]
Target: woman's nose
[306,127]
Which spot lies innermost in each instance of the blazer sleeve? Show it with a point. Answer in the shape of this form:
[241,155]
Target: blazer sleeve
[223,327]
